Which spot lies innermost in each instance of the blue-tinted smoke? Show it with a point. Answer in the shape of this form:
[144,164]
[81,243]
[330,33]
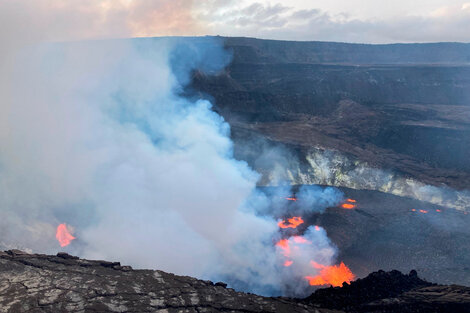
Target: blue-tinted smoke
[98,136]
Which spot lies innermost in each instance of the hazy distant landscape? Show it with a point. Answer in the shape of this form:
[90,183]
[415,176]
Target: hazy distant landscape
[397,107]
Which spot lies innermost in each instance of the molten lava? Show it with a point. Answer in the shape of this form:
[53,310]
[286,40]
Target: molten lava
[284,245]
[288,263]
[333,275]
[348,206]
[423,211]
[292,222]
[63,235]
[291,198]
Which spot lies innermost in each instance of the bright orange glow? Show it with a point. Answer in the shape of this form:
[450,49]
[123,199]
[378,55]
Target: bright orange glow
[300,239]
[293,222]
[351,200]
[333,275]
[63,235]
[414,210]
[317,265]
[423,211]
[317,228]
[291,198]
[284,245]
[288,263]
[437,210]
[348,206]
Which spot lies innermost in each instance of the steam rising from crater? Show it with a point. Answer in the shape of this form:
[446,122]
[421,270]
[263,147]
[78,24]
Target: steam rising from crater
[95,135]
[327,167]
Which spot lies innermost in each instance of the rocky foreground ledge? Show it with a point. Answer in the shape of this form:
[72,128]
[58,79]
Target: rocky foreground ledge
[64,283]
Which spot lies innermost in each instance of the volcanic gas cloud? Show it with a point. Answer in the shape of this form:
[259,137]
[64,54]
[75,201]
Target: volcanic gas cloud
[292,248]
[99,134]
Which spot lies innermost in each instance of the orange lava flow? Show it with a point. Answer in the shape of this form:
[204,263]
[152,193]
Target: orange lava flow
[291,198]
[292,222]
[437,210]
[333,275]
[423,211]
[63,235]
[348,206]
[288,263]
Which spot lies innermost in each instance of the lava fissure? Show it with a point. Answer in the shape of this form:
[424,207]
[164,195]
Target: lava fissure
[63,235]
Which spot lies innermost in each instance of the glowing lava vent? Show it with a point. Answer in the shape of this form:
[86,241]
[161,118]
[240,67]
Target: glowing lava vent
[63,235]
[333,275]
[349,204]
[291,198]
[291,222]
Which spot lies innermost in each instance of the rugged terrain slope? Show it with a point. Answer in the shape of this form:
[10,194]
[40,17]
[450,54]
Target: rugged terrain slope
[63,283]
[404,108]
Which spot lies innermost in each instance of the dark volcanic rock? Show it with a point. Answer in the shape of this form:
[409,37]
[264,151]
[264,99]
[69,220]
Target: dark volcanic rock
[62,283]
[393,292]
[42,283]
[251,50]
[376,286]
[398,107]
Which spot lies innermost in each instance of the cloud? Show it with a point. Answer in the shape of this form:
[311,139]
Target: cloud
[56,20]
[449,23]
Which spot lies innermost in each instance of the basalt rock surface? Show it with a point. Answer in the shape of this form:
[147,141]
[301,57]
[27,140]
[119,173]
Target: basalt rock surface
[393,292]
[64,283]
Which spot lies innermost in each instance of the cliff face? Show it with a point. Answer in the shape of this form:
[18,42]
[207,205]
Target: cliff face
[63,283]
[403,108]
[251,50]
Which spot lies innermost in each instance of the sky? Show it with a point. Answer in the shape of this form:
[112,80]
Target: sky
[364,21]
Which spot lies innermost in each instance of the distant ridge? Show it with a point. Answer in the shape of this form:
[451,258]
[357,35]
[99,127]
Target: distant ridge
[252,50]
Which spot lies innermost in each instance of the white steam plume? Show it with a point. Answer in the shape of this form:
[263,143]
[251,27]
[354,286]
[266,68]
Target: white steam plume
[94,134]
[326,167]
